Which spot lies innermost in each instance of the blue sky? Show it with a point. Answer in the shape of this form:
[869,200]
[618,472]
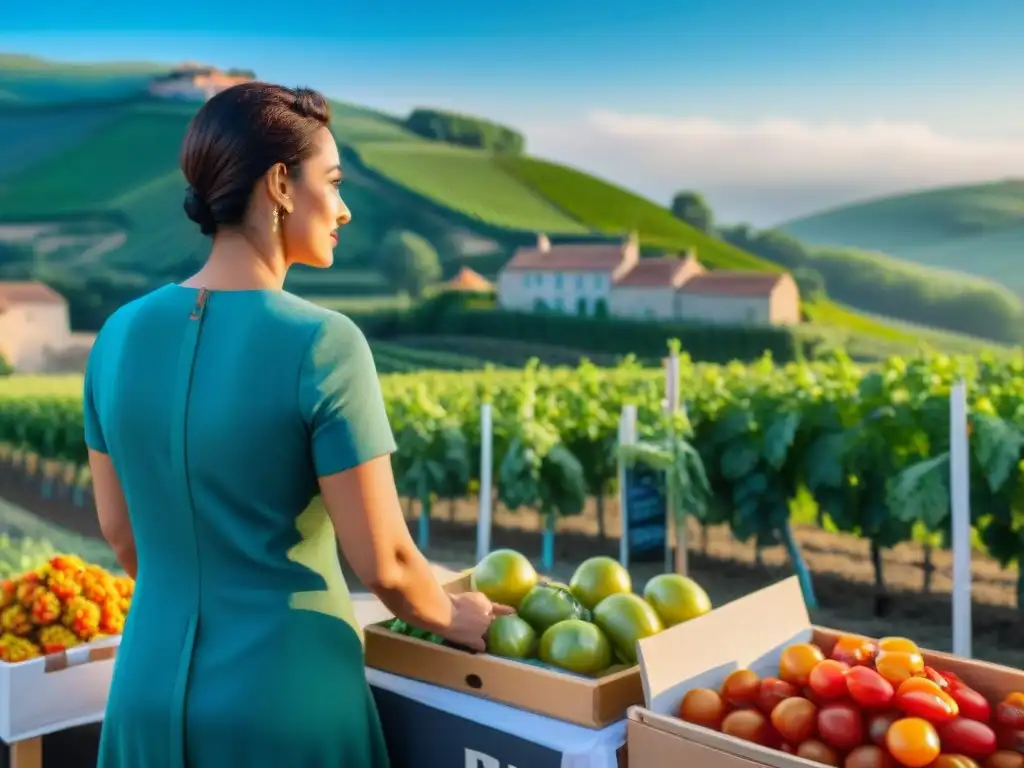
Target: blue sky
[768,107]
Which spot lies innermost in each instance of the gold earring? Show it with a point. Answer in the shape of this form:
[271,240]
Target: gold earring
[276,222]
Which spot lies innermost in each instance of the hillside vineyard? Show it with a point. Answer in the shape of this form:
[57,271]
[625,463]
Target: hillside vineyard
[867,445]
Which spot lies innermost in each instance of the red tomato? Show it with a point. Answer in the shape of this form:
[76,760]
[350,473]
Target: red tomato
[972,704]
[936,677]
[869,756]
[1005,759]
[1010,738]
[841,726]
[968,737]
[878,726]
[868,688]
[913,741]
[934,707]
[772,691]
[818,751]
[828,679]
[741,687]
[1010,714]
[795,719]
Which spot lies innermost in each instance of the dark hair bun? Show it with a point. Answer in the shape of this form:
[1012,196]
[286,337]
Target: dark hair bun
[199,211]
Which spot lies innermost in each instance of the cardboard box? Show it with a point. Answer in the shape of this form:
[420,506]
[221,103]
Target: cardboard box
[593,703]
[55,692]
[747,633]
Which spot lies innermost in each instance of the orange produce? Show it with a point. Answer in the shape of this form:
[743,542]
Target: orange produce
[954,761]
[797,661]
[913,741]
[741,688]
[898,644]
[702,707]
[1004,758]
[747,724]
[869,756]
[818,751]
[828,679]
[854,650]
[795,719]
[773,691]
[897,666]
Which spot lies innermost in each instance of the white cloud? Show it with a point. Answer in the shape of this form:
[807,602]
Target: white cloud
[772,169]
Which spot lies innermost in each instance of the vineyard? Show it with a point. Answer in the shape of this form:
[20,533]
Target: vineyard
[858,450]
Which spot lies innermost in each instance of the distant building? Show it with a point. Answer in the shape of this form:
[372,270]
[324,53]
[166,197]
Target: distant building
[470,281]
[599,278]
[197,82]
[34,325]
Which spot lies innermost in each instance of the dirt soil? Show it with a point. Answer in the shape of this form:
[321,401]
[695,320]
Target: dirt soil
[843,576]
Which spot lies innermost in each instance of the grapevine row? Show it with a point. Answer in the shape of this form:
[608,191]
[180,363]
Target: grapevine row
[869,445]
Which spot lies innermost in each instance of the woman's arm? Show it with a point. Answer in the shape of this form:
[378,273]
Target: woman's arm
[112,510]
[363,505]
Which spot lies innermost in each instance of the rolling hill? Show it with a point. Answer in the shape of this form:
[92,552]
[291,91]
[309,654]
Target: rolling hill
[88,168]
[977,229]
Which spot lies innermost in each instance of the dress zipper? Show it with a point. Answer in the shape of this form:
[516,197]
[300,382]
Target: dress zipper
[197,310]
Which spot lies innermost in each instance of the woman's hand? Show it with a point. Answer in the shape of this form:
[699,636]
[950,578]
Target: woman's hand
[472,614]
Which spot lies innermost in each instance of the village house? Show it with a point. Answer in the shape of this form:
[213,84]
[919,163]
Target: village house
[599,278]
[196,82]
[35,330]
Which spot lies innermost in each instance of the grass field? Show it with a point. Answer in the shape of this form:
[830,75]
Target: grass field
[977,229]
[467,181]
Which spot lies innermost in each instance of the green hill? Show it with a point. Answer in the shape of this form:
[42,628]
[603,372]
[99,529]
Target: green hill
[976,229]
[90,161]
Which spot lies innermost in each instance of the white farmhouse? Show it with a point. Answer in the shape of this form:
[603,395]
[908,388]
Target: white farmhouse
[575,278]
[598,278]
[34,326]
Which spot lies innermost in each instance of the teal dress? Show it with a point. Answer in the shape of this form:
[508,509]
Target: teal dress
[219,411]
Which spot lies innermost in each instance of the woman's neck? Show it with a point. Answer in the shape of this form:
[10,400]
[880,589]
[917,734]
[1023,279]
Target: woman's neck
[235,264]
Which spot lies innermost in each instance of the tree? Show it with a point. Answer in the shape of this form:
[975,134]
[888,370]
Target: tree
[692,208]
[5,368]
[811,284]
[409,262]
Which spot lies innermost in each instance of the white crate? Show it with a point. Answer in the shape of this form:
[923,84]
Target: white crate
[56,692]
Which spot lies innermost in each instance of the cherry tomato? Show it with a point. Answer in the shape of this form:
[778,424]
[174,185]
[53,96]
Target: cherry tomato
[936,677]
[1005,759]
[869,756]
[828,679]
[1010,738]
[747,724]
[953,761]
[972,704]
[868,688]
[917,684]
[952,679]
[808,693]
[741,688]
[797,661]
[897,644]
[913,742]
[937,707]
[772,691]
[968,737]
[841,726]
[818,751]
[878,726]
[897,666]
[1010,714]
[795,719]
[702,706]
[1015,698]
[854,650]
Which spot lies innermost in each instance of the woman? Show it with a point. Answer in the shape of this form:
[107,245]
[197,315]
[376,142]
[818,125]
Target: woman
[215,411]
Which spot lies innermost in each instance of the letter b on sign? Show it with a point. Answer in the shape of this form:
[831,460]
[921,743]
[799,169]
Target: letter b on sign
[476,759]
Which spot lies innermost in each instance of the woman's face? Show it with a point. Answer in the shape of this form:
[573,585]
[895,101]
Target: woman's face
[310,231]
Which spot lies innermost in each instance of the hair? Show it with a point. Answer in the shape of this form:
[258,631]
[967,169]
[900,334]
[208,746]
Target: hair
[236,137]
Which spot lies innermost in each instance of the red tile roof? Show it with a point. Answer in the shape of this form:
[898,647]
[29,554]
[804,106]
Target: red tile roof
[469,280]
[732,283]
[570,257]
[28,292]
[653,273]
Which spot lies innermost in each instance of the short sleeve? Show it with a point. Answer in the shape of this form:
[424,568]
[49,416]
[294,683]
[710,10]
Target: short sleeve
[93,431]
[341,400]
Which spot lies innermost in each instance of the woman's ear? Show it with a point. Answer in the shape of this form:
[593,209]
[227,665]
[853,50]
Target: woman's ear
[279,187]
